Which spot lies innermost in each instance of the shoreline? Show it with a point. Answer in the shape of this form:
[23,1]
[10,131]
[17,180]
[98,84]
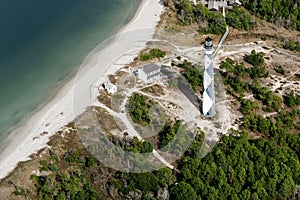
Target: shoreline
[54,114]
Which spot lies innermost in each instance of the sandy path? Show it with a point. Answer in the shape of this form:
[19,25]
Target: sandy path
[61,109]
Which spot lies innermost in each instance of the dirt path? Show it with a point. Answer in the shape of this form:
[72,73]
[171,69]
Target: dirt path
[123,116]
[186,111]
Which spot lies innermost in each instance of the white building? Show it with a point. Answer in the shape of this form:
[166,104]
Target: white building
[109,87]
[214,5]
[149,73]
[234,3]
[195,2]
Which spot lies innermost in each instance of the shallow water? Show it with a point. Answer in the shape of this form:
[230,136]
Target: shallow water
[43,41]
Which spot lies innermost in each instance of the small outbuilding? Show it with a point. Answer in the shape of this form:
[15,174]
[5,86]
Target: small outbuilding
[234,3]
[216,5]
[194,1]
[109,87]
[213,6]
[149,73]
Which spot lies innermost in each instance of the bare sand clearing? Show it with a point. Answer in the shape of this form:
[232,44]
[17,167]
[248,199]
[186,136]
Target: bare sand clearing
[27,138]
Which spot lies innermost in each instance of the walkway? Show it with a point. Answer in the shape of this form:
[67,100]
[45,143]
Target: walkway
[123,116]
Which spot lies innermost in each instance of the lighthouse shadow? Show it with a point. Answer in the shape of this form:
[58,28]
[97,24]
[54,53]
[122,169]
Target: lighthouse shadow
[188,91]
[184,86]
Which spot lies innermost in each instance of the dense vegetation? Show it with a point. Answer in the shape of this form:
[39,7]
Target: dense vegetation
[153,53]
[291,99]
[168,133]
[187,13]
[214,22]
[146,184]
[151,184]
[193,74]
[235,73]
[133,144]
[183,191]
[66,184]
[255,59]
[242,168]
[237,77]
[238,168]
[210,22]
[238,18]
[70,185]
[139,107]
[281,12]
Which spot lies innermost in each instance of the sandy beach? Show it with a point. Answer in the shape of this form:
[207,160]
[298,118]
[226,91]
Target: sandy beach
[78,93]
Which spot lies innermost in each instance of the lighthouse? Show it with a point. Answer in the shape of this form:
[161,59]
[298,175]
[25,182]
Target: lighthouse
[208,104]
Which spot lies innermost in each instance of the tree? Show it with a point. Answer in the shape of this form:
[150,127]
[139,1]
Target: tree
[282,13]
[248,106]
[291,99]
[89,161]
[255,59]
[182,191]
[139,109]
[145,181]
[165,176]
[216,23]
[239,19]
[280,70]
[187,11]
[146,147]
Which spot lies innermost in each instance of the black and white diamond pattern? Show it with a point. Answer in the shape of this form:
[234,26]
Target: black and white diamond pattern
[208,105]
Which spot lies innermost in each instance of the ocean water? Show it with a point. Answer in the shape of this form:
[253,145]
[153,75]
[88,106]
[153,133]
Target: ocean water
[43,41]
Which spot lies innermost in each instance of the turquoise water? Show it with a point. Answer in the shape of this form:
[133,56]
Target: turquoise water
[43,41]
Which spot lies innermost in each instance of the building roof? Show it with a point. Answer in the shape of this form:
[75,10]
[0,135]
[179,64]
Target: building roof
[153,75]
[150,68]
[194,1]
[111,88]
[231,2]
[213,5]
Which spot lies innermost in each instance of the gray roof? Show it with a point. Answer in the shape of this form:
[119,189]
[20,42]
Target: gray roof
[153,75]
[213,5]
[150,68]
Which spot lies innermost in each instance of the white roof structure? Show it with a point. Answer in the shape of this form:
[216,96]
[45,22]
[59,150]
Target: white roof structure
[213,5]
[234,2]
[194,1]
[110,88]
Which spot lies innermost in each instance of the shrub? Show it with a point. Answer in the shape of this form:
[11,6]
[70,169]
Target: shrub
[280,70]
[255,59]
[139,109]
[153,53]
